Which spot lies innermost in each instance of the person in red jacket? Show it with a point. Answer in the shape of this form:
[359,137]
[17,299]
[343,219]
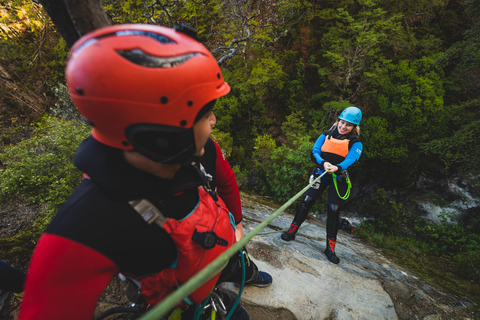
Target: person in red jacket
[145,209]
[223,179]
[225,183]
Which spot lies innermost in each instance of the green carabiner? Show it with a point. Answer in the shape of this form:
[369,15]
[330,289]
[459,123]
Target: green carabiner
[347,194]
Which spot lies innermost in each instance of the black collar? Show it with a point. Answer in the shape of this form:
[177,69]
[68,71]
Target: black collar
[108,169]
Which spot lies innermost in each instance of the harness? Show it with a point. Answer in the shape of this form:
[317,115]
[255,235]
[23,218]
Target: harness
[336,150]
[347,178]
[200,237]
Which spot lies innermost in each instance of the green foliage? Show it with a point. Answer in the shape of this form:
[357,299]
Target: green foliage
[263,150]
[40,168]
[33,56]
[352,47]
[410,112]
[65,109]
[243,112]
[459,150]
[415,236]
[389,217]
[448,239]
[224,141]
[284,170]
[290,169]
[267,76]
[458,274]
[167,13]
[11,131]
[294,128]
[462,59]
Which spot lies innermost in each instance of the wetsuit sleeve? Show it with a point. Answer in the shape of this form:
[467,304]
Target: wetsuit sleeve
[352,156]
[317,148]
[227,186]
[64,281]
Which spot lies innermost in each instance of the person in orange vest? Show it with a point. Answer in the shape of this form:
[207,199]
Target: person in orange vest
[334,151]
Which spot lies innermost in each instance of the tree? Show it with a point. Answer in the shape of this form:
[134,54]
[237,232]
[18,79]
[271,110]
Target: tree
[31,57]
[462,59]
[409,112]
[69,17]
[353,46]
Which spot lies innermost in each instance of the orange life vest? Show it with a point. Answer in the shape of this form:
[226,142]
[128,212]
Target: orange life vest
[335,146]
[209,216]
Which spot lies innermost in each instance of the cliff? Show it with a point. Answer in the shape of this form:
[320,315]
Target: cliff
[364,285]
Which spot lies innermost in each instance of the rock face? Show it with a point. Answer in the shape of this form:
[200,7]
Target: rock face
[365,285]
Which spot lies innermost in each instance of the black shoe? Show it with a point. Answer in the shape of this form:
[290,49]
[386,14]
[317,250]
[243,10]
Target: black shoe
[331,256]
[290,234]
[330,253]
[262,280]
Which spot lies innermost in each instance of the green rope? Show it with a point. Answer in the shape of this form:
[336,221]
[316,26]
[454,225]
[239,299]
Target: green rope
[215,266]
[232,309]
[347,194]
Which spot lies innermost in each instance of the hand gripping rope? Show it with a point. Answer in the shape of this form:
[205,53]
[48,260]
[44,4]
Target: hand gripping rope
[217,265]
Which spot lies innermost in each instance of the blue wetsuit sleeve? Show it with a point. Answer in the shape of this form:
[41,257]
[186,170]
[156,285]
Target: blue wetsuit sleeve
[352,156]
[317,147]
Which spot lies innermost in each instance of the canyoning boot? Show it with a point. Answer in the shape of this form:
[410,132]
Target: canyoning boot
[300,217]
[346,225]
[262,280]
[330,251]
[290,234]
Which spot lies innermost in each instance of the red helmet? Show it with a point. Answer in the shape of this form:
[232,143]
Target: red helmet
[142,87]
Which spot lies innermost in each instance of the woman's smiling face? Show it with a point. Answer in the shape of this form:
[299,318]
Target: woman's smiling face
[344,127]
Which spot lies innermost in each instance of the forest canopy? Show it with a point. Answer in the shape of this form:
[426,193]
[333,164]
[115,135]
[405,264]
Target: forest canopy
[411,66]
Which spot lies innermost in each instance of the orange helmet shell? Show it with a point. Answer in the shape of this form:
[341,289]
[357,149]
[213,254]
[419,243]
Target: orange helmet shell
[114,91]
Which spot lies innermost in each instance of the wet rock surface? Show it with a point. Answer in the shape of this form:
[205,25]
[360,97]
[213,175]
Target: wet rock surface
[364,285]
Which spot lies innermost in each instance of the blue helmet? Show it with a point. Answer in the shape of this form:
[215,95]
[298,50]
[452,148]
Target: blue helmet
[352,115]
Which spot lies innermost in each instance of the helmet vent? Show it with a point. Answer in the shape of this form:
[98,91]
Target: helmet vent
[144,59]
[159,37]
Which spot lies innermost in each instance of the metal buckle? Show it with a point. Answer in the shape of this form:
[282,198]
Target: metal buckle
[217,303]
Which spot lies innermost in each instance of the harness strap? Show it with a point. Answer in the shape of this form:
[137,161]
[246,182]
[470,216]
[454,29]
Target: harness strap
[347,178]
[148,211]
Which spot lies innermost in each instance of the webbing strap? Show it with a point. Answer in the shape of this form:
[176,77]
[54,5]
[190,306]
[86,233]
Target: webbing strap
[148,211]
[347,194]
[217,265]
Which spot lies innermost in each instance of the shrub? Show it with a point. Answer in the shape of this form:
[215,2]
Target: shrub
[41,167]
[389,217]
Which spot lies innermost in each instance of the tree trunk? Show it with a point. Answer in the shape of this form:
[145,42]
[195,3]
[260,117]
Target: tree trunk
[75,18]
